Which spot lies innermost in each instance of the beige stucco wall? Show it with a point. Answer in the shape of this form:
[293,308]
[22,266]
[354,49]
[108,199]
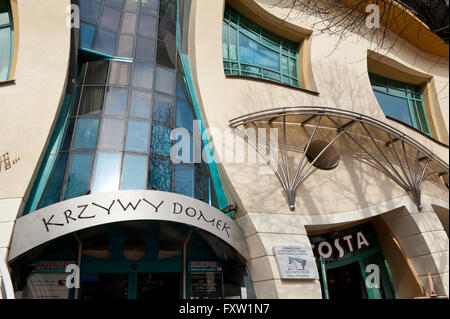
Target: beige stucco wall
[29,106]
[340,77]
[350,193]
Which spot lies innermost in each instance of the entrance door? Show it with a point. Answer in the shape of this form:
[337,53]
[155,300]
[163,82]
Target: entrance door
[104,286]
[132,285]
[346,282]
[158,286]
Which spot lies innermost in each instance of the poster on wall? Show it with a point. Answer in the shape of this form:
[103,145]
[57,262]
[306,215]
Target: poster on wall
[46,286]
[47,281]
[206,285]
[294,262]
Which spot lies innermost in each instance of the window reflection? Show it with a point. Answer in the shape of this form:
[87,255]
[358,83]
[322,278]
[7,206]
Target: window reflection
[107,172]
[130,107]
[133,166]
[79,175]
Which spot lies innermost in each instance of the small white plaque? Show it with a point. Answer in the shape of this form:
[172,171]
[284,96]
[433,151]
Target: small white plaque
[295,262]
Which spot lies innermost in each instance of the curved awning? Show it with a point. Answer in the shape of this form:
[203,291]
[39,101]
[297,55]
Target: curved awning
[407,162]
[57,220]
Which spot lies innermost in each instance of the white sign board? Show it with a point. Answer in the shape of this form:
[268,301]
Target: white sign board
[295,262]
[75,214]
[46,286]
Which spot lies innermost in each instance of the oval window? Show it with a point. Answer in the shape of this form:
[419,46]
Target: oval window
[329,159]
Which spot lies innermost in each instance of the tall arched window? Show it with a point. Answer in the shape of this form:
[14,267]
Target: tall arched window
[6,40]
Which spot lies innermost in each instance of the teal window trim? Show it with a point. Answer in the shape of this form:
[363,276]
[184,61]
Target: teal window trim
[49,159]
[9,25]
[411,91]
[233,22]
[215,177]
[104,56]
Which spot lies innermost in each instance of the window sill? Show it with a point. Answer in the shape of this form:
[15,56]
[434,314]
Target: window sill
[418,131]
[9,82]
[243,77]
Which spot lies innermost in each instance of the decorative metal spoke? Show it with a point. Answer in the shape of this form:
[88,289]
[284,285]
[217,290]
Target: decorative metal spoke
[399,157]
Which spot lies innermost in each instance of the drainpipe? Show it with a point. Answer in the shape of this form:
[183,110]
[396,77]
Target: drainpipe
[186,242]
[79,254]
[6,279]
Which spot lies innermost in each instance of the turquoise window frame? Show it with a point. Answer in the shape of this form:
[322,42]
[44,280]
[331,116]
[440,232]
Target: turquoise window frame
[413,95]
[233,21]
[9,25]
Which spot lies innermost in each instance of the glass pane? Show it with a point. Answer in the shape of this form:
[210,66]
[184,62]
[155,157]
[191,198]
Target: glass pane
[129,23]
[395,107]
[185,117]
[140,105]
[114,3]
[160,174]
[168,10]
[163,108]
[120,72]
[74,101]
[166,54]
[68,134]
[293,67]
[5,53]
[134,171]
[225,41]
[79,175]
[55,182]
[92,101]
[149,6]
[145,49]
[112,134]
[86,133]
[181,87]
[147,25]
[143,75]
[167,31]
[116,101]
[110,19]
[107,172]
[100,286]
[105,41]
[284,65]
[422,120]
[161,143]
[125,46]
[396,87]
[233,44]
[165,81]
[254,53]
[184,180]
[89,11]
[152,286]
[201,186]
[87,35]
[97,72]
[4,14]
[138,135]
[131,5]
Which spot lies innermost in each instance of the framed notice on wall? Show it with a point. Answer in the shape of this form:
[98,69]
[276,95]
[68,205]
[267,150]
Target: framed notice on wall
[295,262]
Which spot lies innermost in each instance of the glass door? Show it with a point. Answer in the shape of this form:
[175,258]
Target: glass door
[158,286]
[101,286]
[132,285]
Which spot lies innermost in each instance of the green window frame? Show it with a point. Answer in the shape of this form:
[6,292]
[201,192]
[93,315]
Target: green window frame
[277,58]
[6,40]
[384,87]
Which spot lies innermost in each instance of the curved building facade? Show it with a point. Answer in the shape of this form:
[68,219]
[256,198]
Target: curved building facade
[222,149]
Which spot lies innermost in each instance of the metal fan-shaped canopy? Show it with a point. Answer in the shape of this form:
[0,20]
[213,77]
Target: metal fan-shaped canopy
[407,162]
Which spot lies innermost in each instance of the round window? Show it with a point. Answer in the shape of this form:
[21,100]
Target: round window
[134,249]
[329,159]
